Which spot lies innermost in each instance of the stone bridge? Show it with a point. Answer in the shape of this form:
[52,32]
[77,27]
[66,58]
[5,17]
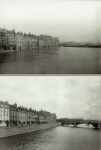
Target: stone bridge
[75,122]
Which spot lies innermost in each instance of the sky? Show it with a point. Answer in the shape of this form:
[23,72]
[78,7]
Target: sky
[69,20]
[67,96]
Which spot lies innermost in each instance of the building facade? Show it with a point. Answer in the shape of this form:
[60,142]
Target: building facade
[22,116]
[3,39]
[11,40]
[19,41]
[7,39]
[4,113]
[14,116]
[48,41]
[46,117]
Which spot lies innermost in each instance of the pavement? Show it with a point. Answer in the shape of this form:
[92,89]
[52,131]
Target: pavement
[6,132]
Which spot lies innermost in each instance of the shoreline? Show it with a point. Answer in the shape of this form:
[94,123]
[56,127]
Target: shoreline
[9,132]
[74,46]
[82,46]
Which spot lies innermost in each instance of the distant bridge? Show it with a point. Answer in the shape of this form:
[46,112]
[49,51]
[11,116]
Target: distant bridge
[75,122]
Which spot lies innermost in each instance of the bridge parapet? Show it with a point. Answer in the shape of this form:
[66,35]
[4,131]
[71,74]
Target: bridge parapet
[75,122]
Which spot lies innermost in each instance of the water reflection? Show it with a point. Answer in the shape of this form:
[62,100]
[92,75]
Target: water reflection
[62,60]
[60,138]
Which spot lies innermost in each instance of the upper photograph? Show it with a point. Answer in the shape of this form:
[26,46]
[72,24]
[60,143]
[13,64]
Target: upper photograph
[50,37]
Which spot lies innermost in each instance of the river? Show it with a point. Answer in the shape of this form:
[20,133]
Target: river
[63,60]
[60,138]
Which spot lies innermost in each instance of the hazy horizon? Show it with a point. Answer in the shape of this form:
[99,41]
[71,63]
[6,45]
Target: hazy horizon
[67,96]
[70,21]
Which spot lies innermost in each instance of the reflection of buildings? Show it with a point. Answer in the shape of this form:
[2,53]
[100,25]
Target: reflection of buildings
[48,41]
[11,40]
[3,39]
[7,40]
[12,115]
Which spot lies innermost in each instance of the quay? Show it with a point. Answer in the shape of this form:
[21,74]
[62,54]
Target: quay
[12,131]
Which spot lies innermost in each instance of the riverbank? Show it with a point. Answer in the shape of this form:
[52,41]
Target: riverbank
[83,46]
[6,132]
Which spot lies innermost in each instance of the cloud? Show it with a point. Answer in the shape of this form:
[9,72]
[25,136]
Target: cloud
[71,96]
[56,17]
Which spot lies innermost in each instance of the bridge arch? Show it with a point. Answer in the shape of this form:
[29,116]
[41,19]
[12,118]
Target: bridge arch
[75,123]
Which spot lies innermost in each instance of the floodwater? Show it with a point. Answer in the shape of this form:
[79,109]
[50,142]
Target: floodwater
[60,138]
[63,60]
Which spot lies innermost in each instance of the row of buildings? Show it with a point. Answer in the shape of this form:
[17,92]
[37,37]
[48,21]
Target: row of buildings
[11,40]
[14,116]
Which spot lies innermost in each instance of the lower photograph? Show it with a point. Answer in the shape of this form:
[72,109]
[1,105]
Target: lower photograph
[50,112]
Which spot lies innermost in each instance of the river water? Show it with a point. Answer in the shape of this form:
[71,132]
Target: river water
[60,138]
[63,60]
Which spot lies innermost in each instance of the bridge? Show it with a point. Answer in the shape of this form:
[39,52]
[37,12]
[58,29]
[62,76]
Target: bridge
[75,122]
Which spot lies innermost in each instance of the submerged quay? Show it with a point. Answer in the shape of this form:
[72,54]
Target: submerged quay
[6,51]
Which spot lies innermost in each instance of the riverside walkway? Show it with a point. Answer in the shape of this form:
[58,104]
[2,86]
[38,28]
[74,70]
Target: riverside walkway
[6,132]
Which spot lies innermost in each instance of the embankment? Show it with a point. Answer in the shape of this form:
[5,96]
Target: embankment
[6,132]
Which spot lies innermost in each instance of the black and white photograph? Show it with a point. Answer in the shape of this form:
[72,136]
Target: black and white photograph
[50,36]
[50,82]
[50,113]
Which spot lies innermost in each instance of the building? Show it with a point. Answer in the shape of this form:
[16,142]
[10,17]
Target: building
[19,41]
[0,38]
[26,117]
[48,41]
[34,116]
[55,42]
[7,39]
[26,41]
[11,39]
[14,116]
[33,41]
[52,118]
[22,115]
[46,117]
[3,39]
[4,113]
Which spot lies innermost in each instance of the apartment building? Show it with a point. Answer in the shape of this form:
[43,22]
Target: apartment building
[14,116]
[11,39]
[4,113]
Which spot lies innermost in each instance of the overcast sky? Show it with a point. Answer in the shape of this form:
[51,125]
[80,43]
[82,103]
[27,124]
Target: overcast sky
[69,96]
[69,20]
